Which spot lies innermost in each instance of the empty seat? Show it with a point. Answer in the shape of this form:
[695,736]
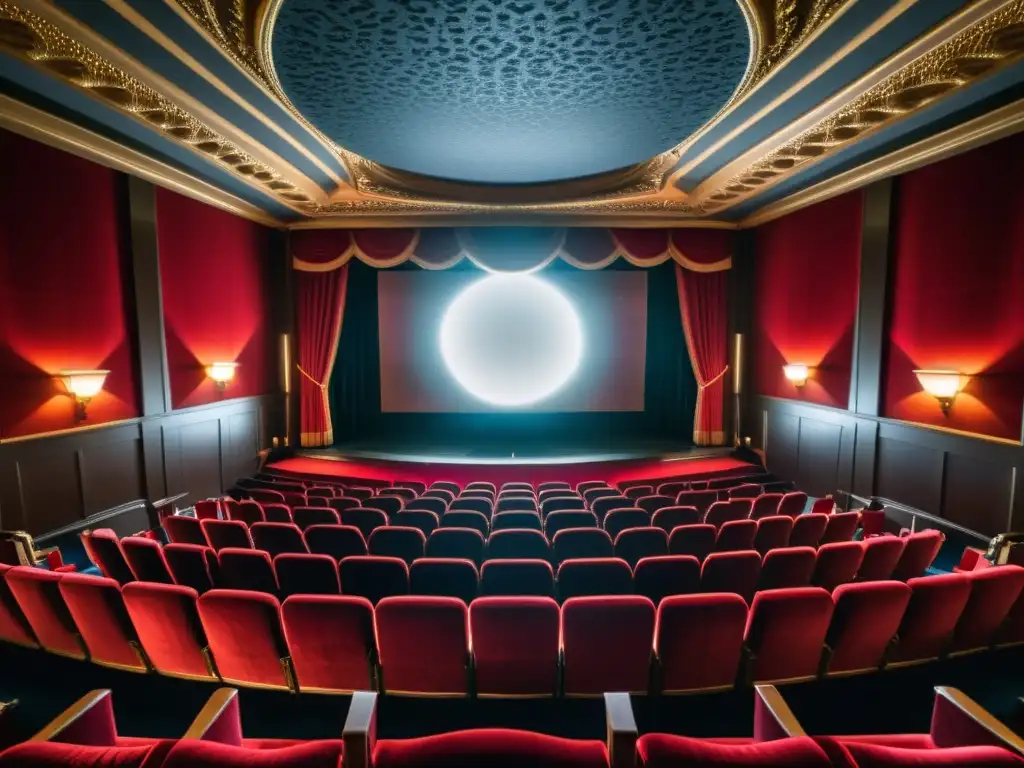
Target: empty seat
[405,494]
[447,486]
[517,486]
[42,604]
[14,627]
[338,541]
[575,543]
[787,568]
[918,555]
[516,505]
[503,521]
[736,536]
[696,540]
[659,577]
[553,485]
[416,486]
[365,519]
[330,641]
[670,518]
[881,553]
[246,569]
[277,538]
[184,530]
[841,527]
[359,492]
[208,509]
[555,493]
[265,495]
[652,503]
[792,504]
[1012,631]
[634,544]
[423,644]
[515,645]
[105,550]
[279,513]
[459,543]
[772,533]
[294,500]
[865,621]
[808,530]
[698,641]
[306,574]
[636,491]
[591,495]
[221,534]
[445,577]
[602,506]
[561,521]
[746,491]
[723,511]
[517,544]
[421,519]
[307,516]
[701,500]
[466,519]
[393,541]
[248,512]
[389,505]
[245,636]
[837,563]
[481,485]
[588,485]
[479,493]
[192,565]
[786,633]
[517,577]
[619,520]
[374,577]
[765,505]
[96,605]
[483,506]
[625,625]
[556,503]
[167,621]
[736,572]
[317,501]
[824,506]
[993,593]
[437,506]
[146,559]
[324,491]
[936,603]
[438,493]
[597,576]
[341,503]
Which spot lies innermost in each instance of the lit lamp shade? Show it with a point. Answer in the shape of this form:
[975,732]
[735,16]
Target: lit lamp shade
[942,385]
[221,373]
[796,373]
[84,385]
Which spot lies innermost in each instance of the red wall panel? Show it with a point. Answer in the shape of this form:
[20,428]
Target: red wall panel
[62,304]
[806,299]
[958,289]
[215,299]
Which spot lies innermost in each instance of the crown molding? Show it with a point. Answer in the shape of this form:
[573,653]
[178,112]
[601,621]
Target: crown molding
[610,220]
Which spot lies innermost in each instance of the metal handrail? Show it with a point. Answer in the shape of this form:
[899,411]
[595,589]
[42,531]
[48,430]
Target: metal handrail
[915,513]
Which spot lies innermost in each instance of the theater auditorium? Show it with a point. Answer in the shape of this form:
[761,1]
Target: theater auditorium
[503,383]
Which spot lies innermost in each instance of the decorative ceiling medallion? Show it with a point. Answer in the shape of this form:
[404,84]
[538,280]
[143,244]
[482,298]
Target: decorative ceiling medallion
[40,43]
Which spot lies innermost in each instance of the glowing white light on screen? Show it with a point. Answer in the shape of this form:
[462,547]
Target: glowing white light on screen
[511,340]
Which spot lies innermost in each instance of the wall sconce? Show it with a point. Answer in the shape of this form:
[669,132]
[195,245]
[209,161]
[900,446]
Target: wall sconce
[221,373]
[83,386]
[796,373]
[942,385]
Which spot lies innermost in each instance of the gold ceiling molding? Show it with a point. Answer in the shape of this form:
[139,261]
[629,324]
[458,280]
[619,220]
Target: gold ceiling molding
[39,42]
[983,48]
[793,22]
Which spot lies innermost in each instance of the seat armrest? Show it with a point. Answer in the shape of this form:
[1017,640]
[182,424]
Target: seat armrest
[219,720]
[959,721]
[89,722]
[773,719]
[622,730]
[360,732]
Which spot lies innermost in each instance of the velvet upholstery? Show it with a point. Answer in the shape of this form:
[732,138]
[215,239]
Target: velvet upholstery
[96,605]
[525,519]
[787,567]
[248,512]
[338,541]
[406,544]
[278,538]
[189,753]
[671,517]
[222,534]
[841,527]
[765,505]
[736,572]
[918,555]
[517,577]
[881,553]
[330,640]
[517,544]
[696,540]
[422,520]
[245,636]
[445,577]
[564,520]
[698,640]
[773,532]
[865,621]
[633,544]
[42,604]
[515,645]
[423,644]
[103,544]
[564,501]
[489,748]
[306,574]
[373,577]
[48,754]
[625,625]
[792,504]
[837,563]
[659,750]
[602,506]
[786,632]
[936,603]
[250,569]
[467,519]
[14,627]
[192,565]
[659,577]
[146,559]
[167,621]
[993,593]
[576,543]
[583,577]
[460,543]
[365,519]
[736,536]
[184,530]
[481,505]
[305,516]
[808,530]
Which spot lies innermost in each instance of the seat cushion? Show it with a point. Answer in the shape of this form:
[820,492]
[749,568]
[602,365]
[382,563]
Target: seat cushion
[49,754]
[881,756]
[200,754]
[490,747]
[659,750]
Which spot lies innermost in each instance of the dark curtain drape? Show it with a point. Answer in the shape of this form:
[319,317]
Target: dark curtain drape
[320,303]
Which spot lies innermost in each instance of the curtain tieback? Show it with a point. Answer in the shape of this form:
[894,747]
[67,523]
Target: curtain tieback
[322,386]
[706,384]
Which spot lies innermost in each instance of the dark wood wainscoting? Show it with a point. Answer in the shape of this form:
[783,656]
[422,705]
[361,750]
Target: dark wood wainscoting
[972,481]
[48,482]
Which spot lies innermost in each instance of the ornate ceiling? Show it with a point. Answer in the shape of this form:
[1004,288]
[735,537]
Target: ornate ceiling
[419,112]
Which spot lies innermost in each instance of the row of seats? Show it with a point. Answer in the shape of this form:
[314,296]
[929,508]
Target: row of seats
[961,734]
[513,646]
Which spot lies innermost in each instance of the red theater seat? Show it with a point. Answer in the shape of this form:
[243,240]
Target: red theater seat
[866,618]
[659,577]
[374,577]
[515,645]
[634,544]
[14,627]
[921,550]
[936,603]
[421,519]
[670,518]
[765,505]
[837,563]
[517,486]
[490,748]
[516,504]
[553,485]
[405,494]
[365,519]
[96,605]
[698,640]
[250,569]
[672,488]
[437,493]
[389,505]
[414,485]
[265,495]
[193,565]
[221,534]
[561,521]
[248,512]
[585,577]
[184,530]
[808,530]
[636,491]
[993,593]
[394,541]
[564,503]
[702,500]
[602,506]
[881,553]
[786,633]
[338,541]
[482,505]
[625,625]
[167,621]
[146,559]
[446,485]
[603,491]
[294,500]
[589,485]
[722,512]
[244,630]
[208,509]
[445,577]
[736,536]
[305,574]
[654,502]
[695,540]
[736,572]
[103,546]
[619,520]
[467,519]
[458,543]
[517,544]
[437,506]
[773,533]
[504,521]
[331,642]
[360,492]
[517,577]
[424,645]
[659,750]
[841,527]
[580,543]
[746,491]
[341,503]
[42,604]
[278,538]
[307,516]
[279,513]
[793,504]
[787,568]
[323,490]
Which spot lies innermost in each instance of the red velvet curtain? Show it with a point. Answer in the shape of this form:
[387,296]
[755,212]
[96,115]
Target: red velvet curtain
[320,298]
[703,306]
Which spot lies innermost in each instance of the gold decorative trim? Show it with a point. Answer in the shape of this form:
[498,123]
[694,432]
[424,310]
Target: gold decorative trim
[403,219]
[977,43]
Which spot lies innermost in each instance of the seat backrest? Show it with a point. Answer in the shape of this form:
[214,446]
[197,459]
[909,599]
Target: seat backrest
[808,530]
[841,527]
[506,520]
[517,544]
[459,543]
[603,491]
[183,530]
[277,513]
[467,519]
[936,604]
[563,520]
[670,518]
[602,506]
[625,625]
[395,541]
[14,627]
[481,485]
[574,543]
[793,503]
[421,519]
[437,506]
[341,503]
[565,502]
[208,509]
[993,593]
[146,559]
[517,486]
[773,533]
[702,500]
[659,577]
[594,576]
[295,499]
[722,512]
[736,536]
[786,632]
[248,512]
[105,547]
[516,504]
[226,533]
[483,506]
[634,544]
[338,541]
[672,488]
[306,574]
[765,505]
[589,485]
[881,553]
[265,495]
[445,577]
[445,485]
[636,491]
[696,540]
[515,645]
[405,494]
[555,493]
[365,519]
[373,577]
[331,642]
[41,602]
[652,503]
[517,577]
[277,538]
[865,621]
[787,567]
[167,622]
[305,516]
[193,565]
[698,641]
[479,493]
[746,491]
[245,635]
[837,563]
[250,569]
[325,491]
[96,605]
[736,572]
[389,505]
[424,645]
[824,506]
[618,520]
[553,485]
[920,552]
